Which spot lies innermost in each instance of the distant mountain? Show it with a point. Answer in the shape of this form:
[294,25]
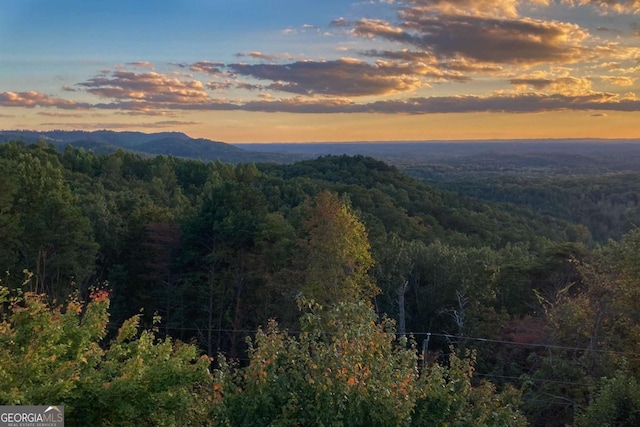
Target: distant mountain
[163,143]
[541,156]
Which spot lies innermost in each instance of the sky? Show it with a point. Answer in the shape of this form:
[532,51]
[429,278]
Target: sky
[324,70]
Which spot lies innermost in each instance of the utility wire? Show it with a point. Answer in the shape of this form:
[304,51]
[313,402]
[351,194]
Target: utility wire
[448,336]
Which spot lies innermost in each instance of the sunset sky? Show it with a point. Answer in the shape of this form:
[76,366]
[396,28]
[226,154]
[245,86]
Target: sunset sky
[324,70]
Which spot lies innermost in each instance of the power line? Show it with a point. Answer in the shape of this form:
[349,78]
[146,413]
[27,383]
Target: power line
[542,380]
[540,345]
[426,334]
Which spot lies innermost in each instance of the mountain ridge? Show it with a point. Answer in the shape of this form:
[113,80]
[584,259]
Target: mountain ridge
[175,144]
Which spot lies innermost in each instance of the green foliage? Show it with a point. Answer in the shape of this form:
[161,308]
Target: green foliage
[606,206]
[44,230]
[616,404]
[448,398]
[54,354]
[336,253]
[346,368]
[219,249]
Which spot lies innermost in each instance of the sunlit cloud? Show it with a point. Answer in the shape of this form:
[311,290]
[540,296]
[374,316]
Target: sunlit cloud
[617,6]
[32,99]
[485,8]
[419,57]
[151,86]
[570,86]
[619,81]
[523,41]
[206,67]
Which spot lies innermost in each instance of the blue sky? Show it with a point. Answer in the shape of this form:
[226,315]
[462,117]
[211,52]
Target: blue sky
[283,70]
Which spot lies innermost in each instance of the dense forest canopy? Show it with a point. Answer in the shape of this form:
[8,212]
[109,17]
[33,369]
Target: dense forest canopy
[348,254]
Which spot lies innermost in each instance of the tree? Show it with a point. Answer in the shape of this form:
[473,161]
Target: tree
[54,354]
[351,372]
[55,241]
[347,368]
[336,253]
[616,404]
[396,272]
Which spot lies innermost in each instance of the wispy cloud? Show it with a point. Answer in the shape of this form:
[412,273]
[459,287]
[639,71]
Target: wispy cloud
[260,55]
[116,125]
[53,114]
[206,67]
[142,64]
[619,81]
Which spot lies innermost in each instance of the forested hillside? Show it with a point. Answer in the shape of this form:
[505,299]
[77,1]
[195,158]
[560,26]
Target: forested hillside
[606,204]
[210,253]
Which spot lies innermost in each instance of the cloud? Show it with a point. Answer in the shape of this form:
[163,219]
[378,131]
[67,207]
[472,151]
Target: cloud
[339,22]
[617,6]
[50,114]
[344,77]
[448,69]
[520,102]
[151,86]
[508,103]
[371,28]
[569,86]
[619,81]
[149,111]
[471,66]
[32,99]
[142,64]
[522,41]
[115,125]
[477,31]
[206,67]
[401,55]
[485,8]
[497,103]
[258,55]
[531,82]
[169,123]
[220,86]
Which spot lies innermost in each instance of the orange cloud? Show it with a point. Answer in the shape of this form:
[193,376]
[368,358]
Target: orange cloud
[485,8]
[32,99]
[617,6]
[619,80]
[151,86]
